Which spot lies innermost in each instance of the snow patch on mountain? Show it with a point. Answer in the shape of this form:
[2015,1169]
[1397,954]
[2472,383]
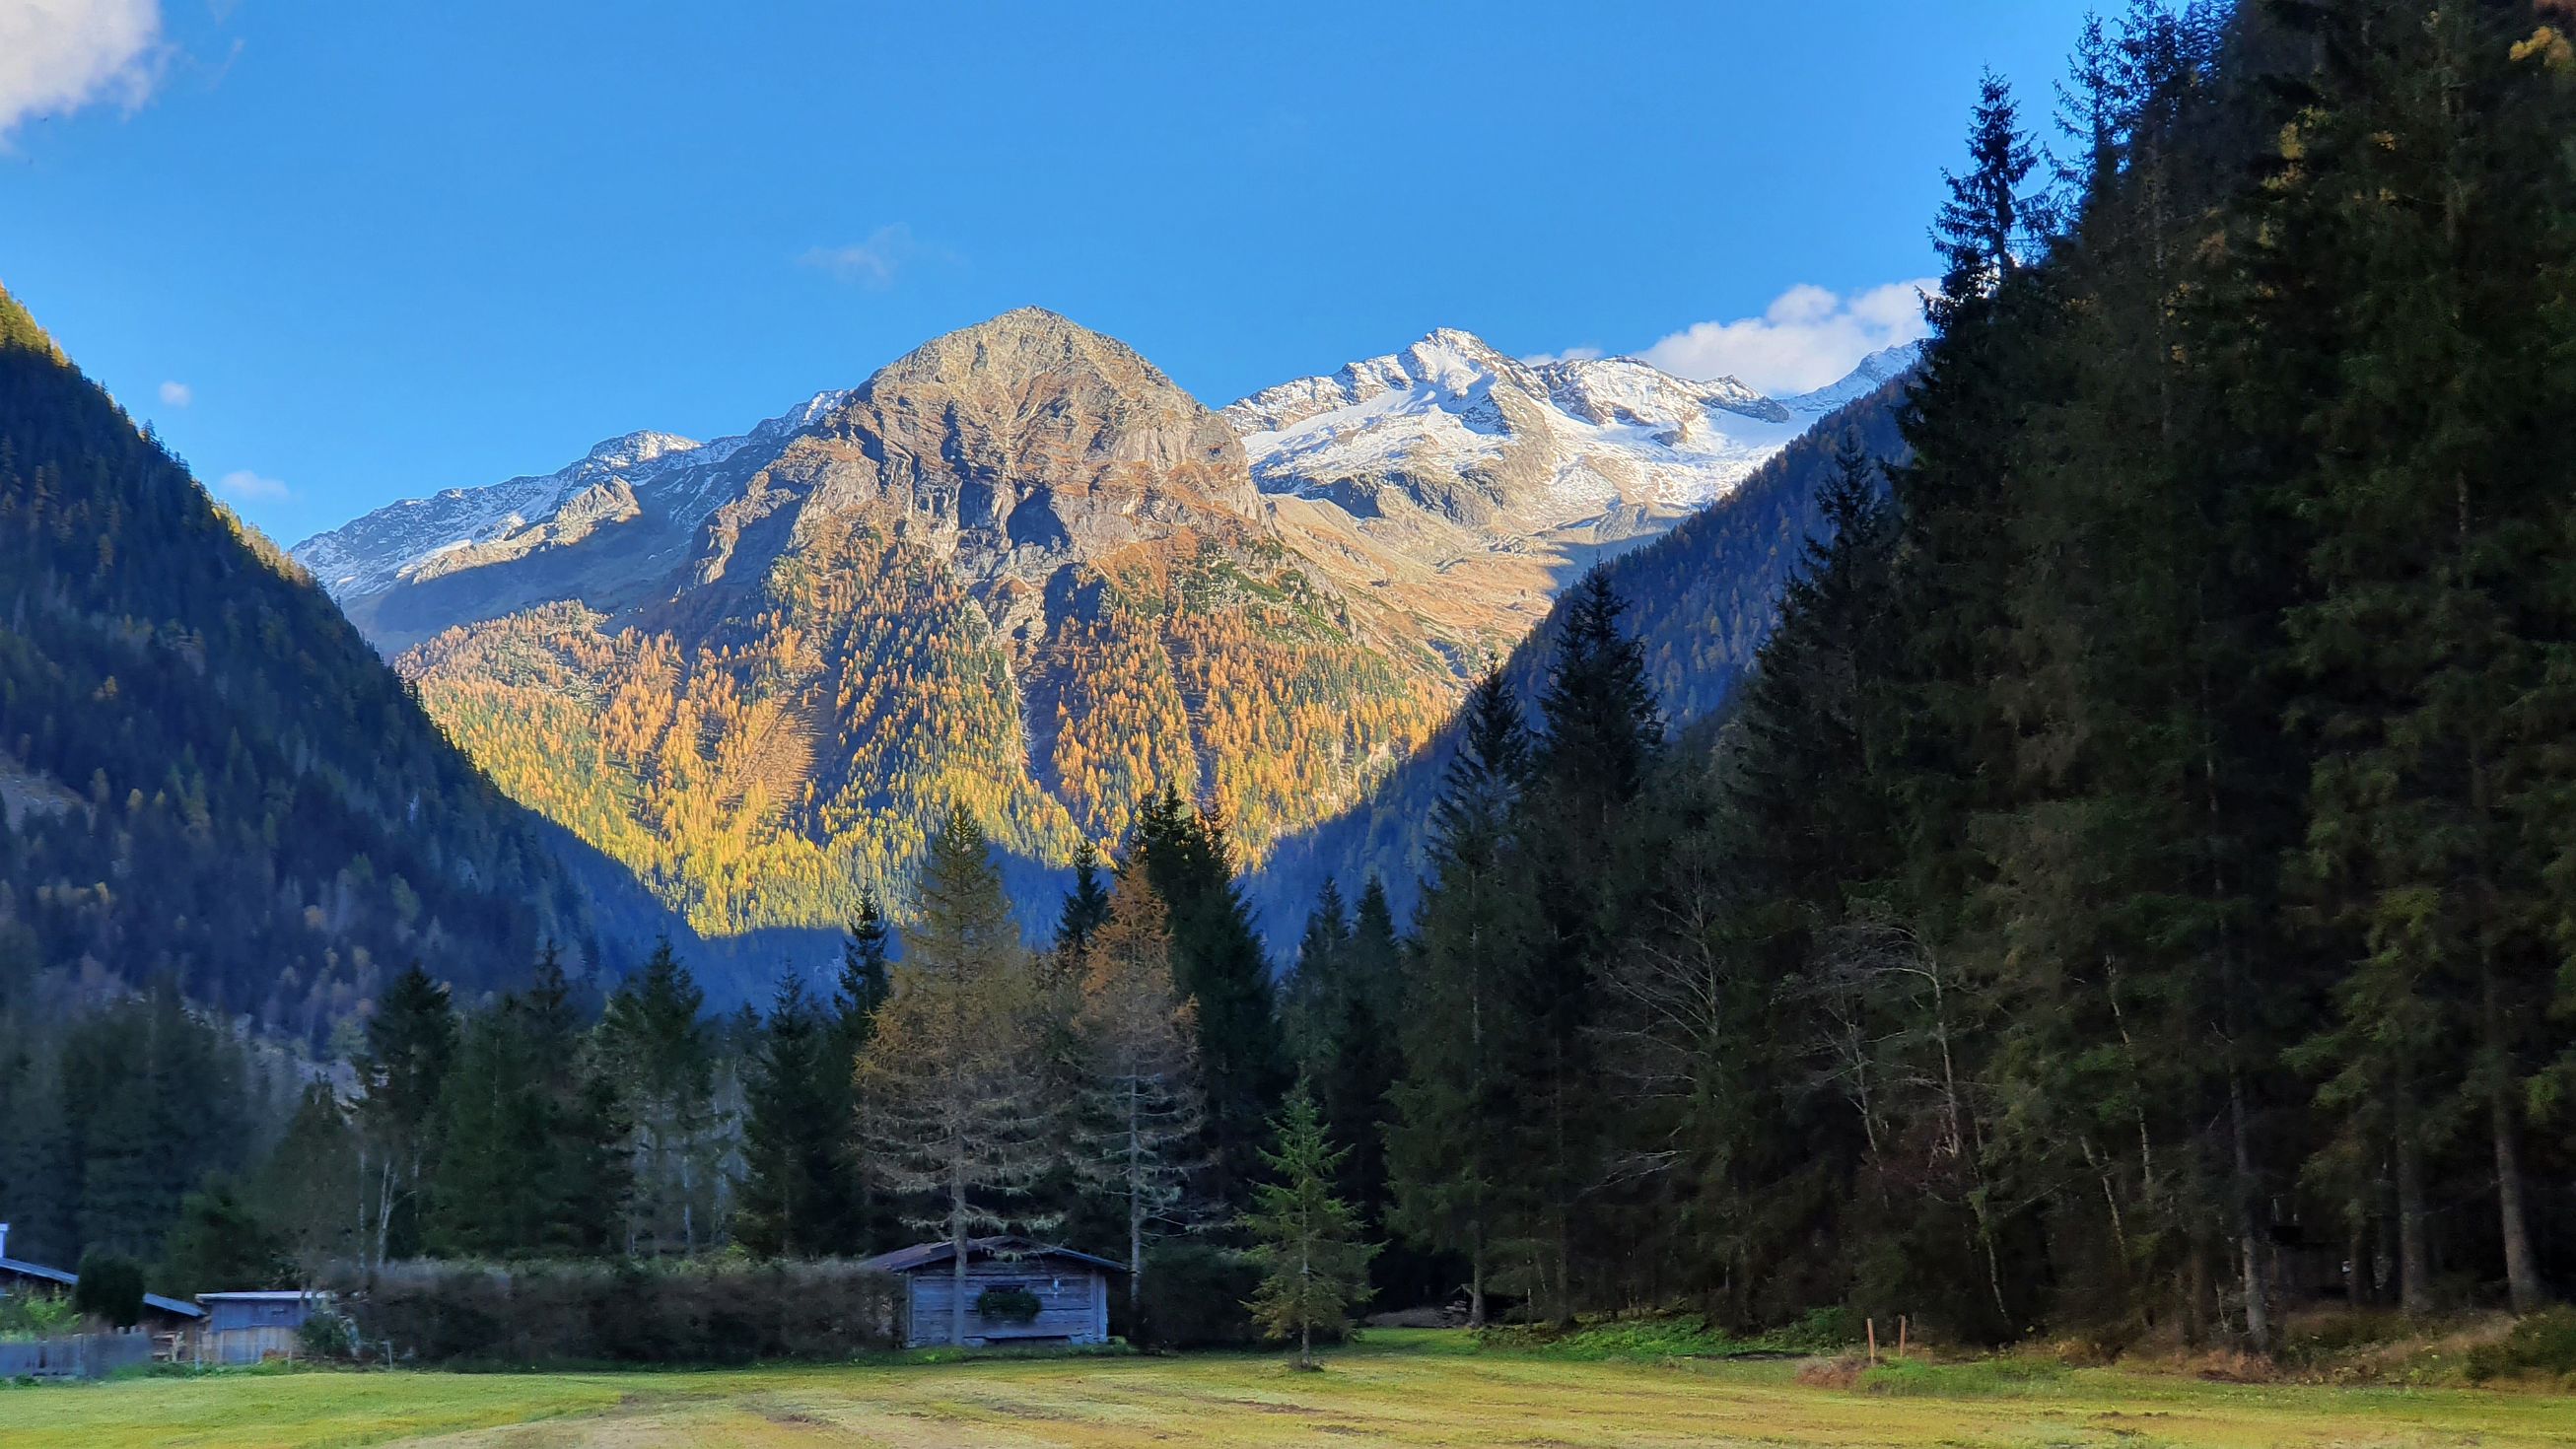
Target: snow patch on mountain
[679,478]
[1588,431]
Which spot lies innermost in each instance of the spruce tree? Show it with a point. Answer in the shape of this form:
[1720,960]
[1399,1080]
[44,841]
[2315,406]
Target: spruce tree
[1447,1140]
[1217,962]
[796,1119]
[410,1045]
[1087,905]
[657,1050]
[1313,1254]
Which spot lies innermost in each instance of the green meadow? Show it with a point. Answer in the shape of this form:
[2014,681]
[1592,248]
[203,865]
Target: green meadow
[1400,1388]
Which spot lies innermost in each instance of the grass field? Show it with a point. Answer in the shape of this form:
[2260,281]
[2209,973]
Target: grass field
[1401,1388]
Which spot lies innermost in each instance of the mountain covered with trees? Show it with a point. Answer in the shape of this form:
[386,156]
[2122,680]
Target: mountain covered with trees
[205,773]
[227,828]
[1021,571]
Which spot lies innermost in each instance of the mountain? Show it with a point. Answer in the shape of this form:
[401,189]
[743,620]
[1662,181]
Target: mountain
[1701,599]
[1018,568]
[205,773]
[1021,569]
[1467,487]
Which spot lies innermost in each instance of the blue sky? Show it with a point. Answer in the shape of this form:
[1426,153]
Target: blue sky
[345,253]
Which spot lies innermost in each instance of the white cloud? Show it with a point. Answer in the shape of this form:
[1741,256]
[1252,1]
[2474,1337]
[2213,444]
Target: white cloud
[57,56]
[1571,354]
[1806,338]
[249,487]
[177,395]
[874,262]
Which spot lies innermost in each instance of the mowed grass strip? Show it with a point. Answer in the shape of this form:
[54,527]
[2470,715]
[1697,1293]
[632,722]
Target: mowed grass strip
[1402,1389]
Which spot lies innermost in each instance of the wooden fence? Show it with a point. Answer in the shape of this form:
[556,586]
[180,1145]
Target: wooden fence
[75,1356]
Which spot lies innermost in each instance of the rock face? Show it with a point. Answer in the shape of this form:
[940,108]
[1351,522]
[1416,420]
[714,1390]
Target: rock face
[1465,487]
[1020,570]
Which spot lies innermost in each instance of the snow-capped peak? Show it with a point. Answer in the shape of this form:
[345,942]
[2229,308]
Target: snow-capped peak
[1867,377]
[369,554]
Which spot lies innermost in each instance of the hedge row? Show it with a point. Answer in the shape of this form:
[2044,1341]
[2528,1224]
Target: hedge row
[708,1311]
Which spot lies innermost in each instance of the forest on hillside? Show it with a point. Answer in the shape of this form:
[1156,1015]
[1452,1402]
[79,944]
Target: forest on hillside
[2130,897]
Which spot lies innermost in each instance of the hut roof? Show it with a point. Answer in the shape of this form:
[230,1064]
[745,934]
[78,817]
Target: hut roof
[923,1255]
[39,1271]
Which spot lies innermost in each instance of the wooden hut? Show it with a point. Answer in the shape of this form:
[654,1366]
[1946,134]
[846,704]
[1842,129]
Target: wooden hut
[1015,1292]
[252,1327]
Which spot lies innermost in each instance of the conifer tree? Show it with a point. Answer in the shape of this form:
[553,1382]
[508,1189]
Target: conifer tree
[796,1120]
[658,1051]
[411,1043]
[953,1082]
[1088,903]
[1141,1116]
[1217,962]
[1446,1142]
[1308,1010]
[1313,1256]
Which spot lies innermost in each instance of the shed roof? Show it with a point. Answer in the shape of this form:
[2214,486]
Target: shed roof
[263,1295]
[56,1275]
[923,1255]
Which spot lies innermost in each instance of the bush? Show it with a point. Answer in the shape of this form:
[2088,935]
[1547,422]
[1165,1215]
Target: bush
[2544,1343]
[327,1334]
[1008,1305]
[1194,1296]
[37,1315]
[718,1311]
[110,1288]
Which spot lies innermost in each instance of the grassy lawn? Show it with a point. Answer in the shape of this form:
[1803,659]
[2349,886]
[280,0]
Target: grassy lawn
[1402,1388]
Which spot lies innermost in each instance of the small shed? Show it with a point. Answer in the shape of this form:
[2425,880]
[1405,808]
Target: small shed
[1070,1289]
[253,1327]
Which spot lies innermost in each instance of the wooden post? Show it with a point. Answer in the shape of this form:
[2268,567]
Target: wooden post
[1900,1335]
[1873,1342]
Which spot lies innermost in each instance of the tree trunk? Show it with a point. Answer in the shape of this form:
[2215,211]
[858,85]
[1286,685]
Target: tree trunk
[1476,1282]
[2249,1248]
[2414,1258]
[957,1248]
[2521,1270]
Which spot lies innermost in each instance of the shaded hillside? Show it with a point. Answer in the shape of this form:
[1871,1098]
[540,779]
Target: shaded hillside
[1701,600]
[204,771]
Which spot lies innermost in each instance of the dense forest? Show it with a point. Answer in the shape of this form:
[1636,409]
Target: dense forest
[2128,897]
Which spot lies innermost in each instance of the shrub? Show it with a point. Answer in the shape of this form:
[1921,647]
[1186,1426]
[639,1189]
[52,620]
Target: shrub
[713,1311]
[1194,1297]
[37,1315]
[327,1334]
[2544,1343]
[110,1288]
[1007,1305]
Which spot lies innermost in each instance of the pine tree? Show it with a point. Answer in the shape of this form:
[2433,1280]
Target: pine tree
[796,1120]
[1217,962]
[657,1050]
[411,1042]
[864,953]
[1308,1242]
[1088,903]
[1446,1143]
[1141,1114]
[953,1083]
[1308,1009]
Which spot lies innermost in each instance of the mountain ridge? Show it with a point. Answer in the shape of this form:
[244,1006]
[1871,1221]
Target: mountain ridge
[1020,569]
